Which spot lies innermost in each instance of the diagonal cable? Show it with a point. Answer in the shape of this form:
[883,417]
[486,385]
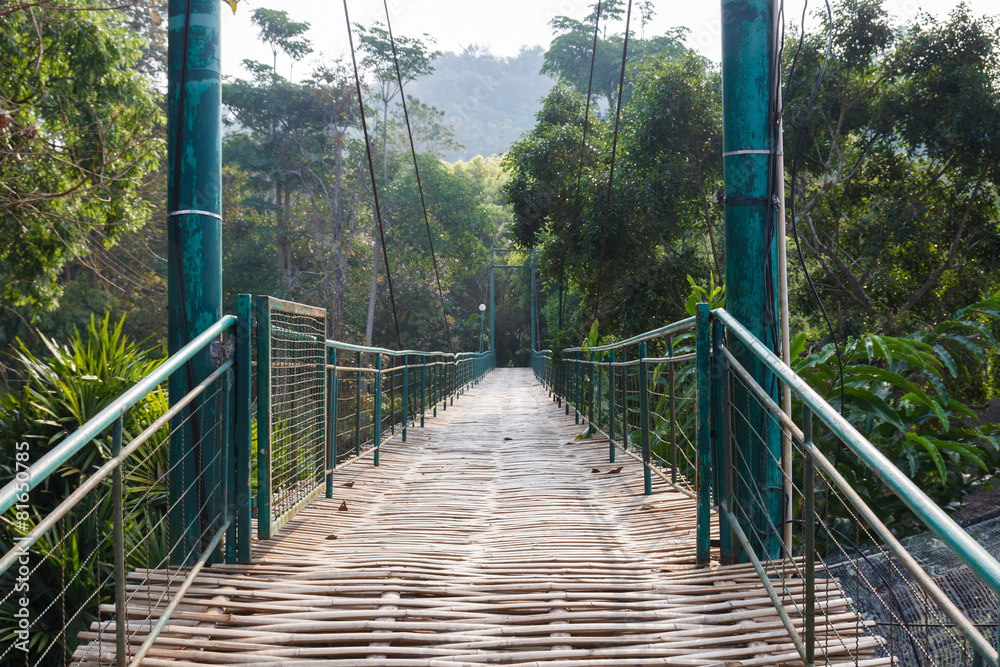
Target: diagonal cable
[371,171]
[416,169]
[614,152]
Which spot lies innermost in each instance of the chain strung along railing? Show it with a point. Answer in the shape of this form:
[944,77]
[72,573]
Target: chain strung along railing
[846,589]
[103,534]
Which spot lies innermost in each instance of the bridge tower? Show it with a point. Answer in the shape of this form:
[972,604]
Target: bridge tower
[194,235]
[751,167]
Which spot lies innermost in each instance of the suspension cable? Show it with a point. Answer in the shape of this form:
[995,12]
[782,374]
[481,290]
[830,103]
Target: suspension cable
[583,143]
[614,152]
[371,171]
[416,169]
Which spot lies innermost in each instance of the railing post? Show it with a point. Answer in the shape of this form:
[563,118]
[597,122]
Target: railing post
[647,477]
[624,400]
[423,388]
[244,436]
[377,426]
[263,419]
[720,415]
[673,413]
[406,393]
[612,411]
[704,439]
[357,408]
[810,530]
[331,452]
[590,396]
[118,529]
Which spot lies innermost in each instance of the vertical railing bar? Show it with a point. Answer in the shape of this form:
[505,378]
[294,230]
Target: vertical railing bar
[118,529]
[331,453]
[810,530]
[612,411]
[703,435]
[263,418]
[244,434]
[647,477]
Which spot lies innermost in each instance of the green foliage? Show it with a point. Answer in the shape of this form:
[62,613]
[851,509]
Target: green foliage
[78,136]
[714,296]
[59,393]
[896,394]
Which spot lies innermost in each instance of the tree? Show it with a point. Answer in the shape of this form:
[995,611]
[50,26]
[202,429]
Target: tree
[282,34]
[897,176]
[78,137]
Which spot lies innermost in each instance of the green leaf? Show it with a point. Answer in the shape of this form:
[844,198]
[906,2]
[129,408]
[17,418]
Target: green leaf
[932,450]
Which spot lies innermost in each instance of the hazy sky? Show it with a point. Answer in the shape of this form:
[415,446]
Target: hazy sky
[502,25]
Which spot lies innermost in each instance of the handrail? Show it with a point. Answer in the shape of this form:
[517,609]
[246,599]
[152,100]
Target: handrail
[673,327]
[381,350]
[977,558]
[52,460]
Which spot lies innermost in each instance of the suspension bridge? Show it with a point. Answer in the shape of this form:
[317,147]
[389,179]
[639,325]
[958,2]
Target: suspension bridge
[658,501]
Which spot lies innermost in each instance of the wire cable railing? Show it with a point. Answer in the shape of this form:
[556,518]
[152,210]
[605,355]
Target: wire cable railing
[698,403]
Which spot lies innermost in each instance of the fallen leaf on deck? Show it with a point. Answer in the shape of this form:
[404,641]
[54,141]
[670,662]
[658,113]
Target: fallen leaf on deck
[348,485]
[596,470]
[331,537]
[615,471]
[343,507]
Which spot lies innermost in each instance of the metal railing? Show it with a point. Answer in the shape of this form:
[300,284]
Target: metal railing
[104,534]
[847,589]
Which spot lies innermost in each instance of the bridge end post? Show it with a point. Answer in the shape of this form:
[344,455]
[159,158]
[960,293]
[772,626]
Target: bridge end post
[703,434]
[331,452]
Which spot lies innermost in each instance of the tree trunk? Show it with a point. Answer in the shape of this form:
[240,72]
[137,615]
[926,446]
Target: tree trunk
[372,293]
[338,240]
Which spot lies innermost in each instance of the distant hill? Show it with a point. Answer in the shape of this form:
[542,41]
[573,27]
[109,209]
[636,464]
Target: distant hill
[488,99]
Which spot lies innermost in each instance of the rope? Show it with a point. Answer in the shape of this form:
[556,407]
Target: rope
[416,169]
[614,152]
[371,171]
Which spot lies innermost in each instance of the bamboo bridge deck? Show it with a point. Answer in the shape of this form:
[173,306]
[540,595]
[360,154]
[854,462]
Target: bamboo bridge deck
[491,537]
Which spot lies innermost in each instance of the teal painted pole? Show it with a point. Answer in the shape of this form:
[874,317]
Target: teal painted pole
[423,388]
[331,446]
[747,29]
[244,393]
[720,426]
[406,393]
[612,411]
[377,426]
[357,409]
[703,434]
[493,290]
[647,476]
[534,315]
[194,251]
[263,418]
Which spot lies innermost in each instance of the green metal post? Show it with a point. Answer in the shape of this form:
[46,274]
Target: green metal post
[263,418]
[357,412]
[194,250]
[590,396]
[331,447]
[644,421]
[810,529]
[611,411]
[244,394]
[377,426]
[406,393]
[624,400]
[747,57]
[493,291]
[720,412]
[423,388]
[118,539]
[704,439]
[577,387]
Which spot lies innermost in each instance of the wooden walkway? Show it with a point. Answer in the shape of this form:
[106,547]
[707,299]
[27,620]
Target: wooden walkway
[491,537]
